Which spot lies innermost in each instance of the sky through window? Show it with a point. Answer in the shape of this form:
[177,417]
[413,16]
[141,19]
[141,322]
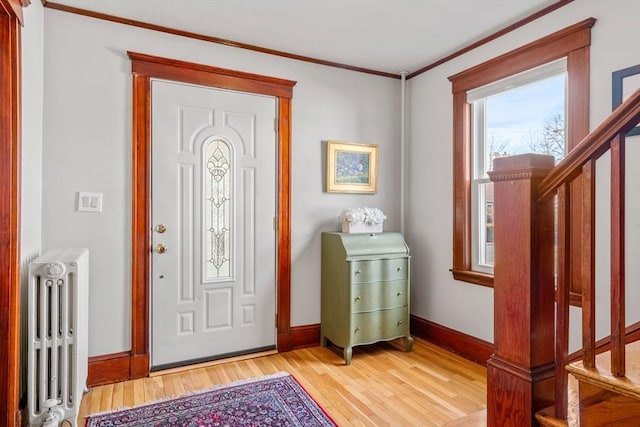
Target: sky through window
[516,119]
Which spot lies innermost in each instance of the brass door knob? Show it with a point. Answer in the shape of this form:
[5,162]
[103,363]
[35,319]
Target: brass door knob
[161,228]
[160,248]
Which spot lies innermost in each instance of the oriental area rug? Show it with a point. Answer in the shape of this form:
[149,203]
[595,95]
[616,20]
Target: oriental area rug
[274,400]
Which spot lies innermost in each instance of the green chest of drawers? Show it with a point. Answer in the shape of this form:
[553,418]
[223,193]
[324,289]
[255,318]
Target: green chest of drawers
[365,289]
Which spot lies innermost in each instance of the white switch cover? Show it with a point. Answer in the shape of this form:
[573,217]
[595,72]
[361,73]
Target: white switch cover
[89,202]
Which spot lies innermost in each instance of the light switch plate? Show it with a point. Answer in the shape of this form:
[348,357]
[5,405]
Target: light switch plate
[89,202]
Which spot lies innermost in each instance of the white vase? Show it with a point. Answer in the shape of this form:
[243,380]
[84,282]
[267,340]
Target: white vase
[360,227]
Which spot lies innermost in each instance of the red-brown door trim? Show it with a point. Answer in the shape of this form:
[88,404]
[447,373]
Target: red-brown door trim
[13,8]
[10,82]
[144,68]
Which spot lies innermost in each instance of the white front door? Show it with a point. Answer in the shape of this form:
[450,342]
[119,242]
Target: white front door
[213,207]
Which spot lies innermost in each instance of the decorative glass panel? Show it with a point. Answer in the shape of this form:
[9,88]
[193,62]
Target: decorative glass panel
[217,212]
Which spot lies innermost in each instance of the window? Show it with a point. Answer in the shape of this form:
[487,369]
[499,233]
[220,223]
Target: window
[217,200]
[475,94]
[521,114]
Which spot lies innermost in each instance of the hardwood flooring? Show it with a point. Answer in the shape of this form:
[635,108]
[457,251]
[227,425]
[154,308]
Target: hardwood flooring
[383,386]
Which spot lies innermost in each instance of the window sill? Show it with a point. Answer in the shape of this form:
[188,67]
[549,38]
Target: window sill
[476,277]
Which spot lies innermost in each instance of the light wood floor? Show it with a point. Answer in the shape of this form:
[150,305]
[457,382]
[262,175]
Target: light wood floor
[383,386]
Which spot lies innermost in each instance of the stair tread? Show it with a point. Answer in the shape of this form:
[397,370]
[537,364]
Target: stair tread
[629,385]
[547,418]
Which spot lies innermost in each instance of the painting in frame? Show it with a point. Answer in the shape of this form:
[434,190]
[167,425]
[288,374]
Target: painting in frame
[352,167]
[623,83]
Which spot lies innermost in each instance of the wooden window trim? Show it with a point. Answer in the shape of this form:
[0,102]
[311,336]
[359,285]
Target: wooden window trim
[144,68]
[573,43]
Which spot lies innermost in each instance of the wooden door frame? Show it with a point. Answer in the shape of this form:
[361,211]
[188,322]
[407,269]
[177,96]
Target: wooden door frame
[10,122]
[144,68]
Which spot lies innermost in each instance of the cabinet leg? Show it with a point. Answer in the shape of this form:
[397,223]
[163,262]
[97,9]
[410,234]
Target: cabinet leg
[347,354]
[408,343]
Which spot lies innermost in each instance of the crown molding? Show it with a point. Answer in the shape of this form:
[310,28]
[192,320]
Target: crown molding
[268,51]
[211,39]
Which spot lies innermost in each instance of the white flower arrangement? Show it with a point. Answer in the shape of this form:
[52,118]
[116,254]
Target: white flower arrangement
[362,215]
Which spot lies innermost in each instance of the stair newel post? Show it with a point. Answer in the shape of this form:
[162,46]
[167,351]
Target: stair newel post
[520,373]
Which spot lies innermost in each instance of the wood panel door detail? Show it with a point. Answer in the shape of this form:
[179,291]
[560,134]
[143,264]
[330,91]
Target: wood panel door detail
[213,201]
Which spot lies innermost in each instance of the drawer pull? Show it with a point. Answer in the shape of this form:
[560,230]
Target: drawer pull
[357,330]
[399,322]
[357,299]
[399,294]
[358,271]
[399,269]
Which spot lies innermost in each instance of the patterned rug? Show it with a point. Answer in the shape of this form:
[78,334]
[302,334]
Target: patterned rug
[274,400]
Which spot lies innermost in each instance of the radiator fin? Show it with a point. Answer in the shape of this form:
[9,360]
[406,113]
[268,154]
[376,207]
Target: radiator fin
[58,332]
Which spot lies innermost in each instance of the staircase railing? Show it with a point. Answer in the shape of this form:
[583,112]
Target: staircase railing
[534,268]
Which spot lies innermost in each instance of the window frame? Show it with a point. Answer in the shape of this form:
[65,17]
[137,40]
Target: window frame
[571,43]
[479,179]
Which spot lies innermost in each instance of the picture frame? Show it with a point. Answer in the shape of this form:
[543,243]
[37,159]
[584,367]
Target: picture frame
[351,167]
[623,83]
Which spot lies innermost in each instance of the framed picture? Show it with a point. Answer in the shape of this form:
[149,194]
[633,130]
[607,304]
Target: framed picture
[623,83]
[352,168]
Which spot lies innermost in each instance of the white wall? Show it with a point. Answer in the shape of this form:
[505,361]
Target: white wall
[87,147]
[435,295]
[31,176]
[32,74]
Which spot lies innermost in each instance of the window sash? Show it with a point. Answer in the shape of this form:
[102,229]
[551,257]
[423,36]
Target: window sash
[480,248]
[481,256]
[524,78]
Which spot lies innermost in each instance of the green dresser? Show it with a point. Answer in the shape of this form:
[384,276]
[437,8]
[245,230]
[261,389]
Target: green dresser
[365,289]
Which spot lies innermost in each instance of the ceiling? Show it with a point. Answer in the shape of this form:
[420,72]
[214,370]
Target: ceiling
[382,35]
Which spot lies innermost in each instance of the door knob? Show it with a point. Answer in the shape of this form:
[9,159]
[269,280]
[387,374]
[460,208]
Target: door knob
[161,228]
[160,248]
